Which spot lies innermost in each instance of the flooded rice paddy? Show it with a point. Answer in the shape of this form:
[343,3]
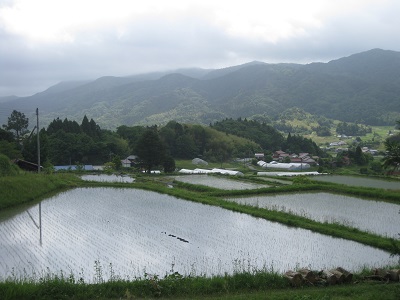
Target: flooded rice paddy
[360,181]
[374,216]
[135,231]
[107,178]
[218,182]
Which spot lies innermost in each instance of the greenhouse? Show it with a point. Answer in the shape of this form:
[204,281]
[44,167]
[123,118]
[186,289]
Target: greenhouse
[285,166]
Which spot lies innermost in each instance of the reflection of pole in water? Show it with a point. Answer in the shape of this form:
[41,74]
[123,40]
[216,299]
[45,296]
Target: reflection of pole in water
[40,221]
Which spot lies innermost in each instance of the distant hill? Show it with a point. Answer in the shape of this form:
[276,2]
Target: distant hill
[363,87]
[8,98]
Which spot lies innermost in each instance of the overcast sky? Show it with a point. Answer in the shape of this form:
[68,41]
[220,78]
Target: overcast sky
[43,42]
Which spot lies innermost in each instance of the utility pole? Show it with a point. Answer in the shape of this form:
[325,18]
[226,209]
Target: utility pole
[38,140]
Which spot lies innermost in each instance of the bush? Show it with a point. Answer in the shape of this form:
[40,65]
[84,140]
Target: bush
[301,180]
[6,167]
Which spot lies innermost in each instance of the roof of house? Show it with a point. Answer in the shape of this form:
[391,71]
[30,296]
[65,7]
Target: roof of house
[27,165]
[132,157]
[280,152]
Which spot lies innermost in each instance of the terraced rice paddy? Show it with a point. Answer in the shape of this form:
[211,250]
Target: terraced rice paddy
[129,232]
[360,181]
[218,182]
[368,215]
[107,178]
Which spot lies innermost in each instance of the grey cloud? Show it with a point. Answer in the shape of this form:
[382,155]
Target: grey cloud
[155,44]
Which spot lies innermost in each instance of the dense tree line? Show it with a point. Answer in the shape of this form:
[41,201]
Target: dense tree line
[263,134]
[352,129]
[268,137]
[67,142]
[299,144]
[183,141]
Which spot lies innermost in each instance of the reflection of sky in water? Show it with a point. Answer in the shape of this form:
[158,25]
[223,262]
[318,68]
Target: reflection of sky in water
[107,178]
[360,181]
[374,216]
[219,183]
[140,231]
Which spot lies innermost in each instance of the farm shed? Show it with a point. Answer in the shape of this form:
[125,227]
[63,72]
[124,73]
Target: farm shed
[27,165]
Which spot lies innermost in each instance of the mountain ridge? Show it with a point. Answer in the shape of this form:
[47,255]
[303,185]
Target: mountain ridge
[363,87]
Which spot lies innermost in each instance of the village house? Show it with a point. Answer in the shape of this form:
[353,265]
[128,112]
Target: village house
[130,161]
[259,155]
[295,158]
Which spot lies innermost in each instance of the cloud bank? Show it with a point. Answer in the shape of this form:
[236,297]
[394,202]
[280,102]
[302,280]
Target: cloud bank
[44,42]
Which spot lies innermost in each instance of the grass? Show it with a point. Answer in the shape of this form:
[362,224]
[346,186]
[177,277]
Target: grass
[264,284]
[26,187]
[378,136]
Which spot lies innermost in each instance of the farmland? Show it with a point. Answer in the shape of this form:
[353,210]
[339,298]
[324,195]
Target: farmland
[324,207]
[136,231]
[162,228]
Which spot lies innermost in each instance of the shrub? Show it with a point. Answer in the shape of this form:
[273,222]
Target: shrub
[6,167]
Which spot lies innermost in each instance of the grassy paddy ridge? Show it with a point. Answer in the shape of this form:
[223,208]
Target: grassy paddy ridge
[257,284]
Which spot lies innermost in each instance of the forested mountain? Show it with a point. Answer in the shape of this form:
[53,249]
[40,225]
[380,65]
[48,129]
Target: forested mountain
[362,88]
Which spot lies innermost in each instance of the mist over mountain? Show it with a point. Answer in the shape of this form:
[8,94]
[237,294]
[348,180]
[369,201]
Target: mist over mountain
[363,87]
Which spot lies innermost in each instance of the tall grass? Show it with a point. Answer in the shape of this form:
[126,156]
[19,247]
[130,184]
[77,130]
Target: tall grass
[249,284]
[51,286]
[15,190]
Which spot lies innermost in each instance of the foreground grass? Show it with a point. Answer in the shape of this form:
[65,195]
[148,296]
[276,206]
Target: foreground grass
[246,285]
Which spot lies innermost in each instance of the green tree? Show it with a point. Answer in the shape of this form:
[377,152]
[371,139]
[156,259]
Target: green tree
[117,162]
[219,150]
[185,147]
[6,136]
[376,167]
[131,134]
[150,149]
[18,123]
[359,157]
[109,167]
[29,151]
[392,157]
[85,126]
[7,144]
[169,164]
[323,131]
